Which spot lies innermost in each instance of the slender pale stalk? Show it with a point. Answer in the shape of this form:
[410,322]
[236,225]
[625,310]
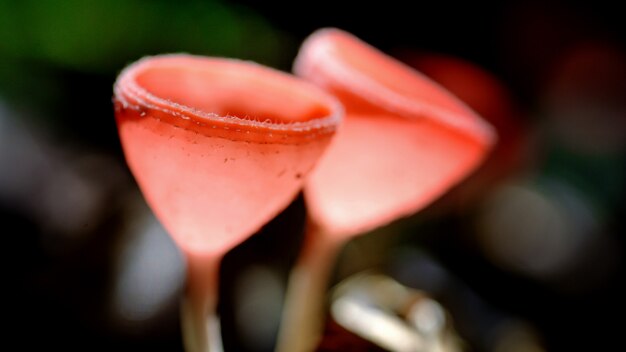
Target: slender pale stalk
[303,312]
[199,318]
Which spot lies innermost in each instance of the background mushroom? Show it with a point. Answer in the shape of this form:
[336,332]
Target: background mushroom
[404,142]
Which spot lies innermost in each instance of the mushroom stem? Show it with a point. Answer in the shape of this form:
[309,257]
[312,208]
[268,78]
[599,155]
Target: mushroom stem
[304,309]
[199,319]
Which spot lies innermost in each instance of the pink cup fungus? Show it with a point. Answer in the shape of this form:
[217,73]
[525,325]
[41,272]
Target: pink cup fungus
[404,142]
[218,148]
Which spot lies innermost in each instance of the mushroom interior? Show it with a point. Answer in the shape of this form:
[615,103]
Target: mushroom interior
[222,87]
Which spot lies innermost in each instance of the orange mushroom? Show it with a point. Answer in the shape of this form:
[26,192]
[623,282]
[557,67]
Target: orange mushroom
[218,147]
[404,142]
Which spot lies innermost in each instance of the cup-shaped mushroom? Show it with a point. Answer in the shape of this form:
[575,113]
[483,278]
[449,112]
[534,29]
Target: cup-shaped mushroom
[218,148]
[405,141]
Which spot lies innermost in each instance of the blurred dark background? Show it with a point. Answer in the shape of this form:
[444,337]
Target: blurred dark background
[527,255]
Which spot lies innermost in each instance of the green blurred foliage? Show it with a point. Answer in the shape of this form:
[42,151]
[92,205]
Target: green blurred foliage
[59,59]
[100,36]
[601,177]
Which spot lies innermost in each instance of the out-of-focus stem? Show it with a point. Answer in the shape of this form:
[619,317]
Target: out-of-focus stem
[304,309]
[199,319]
